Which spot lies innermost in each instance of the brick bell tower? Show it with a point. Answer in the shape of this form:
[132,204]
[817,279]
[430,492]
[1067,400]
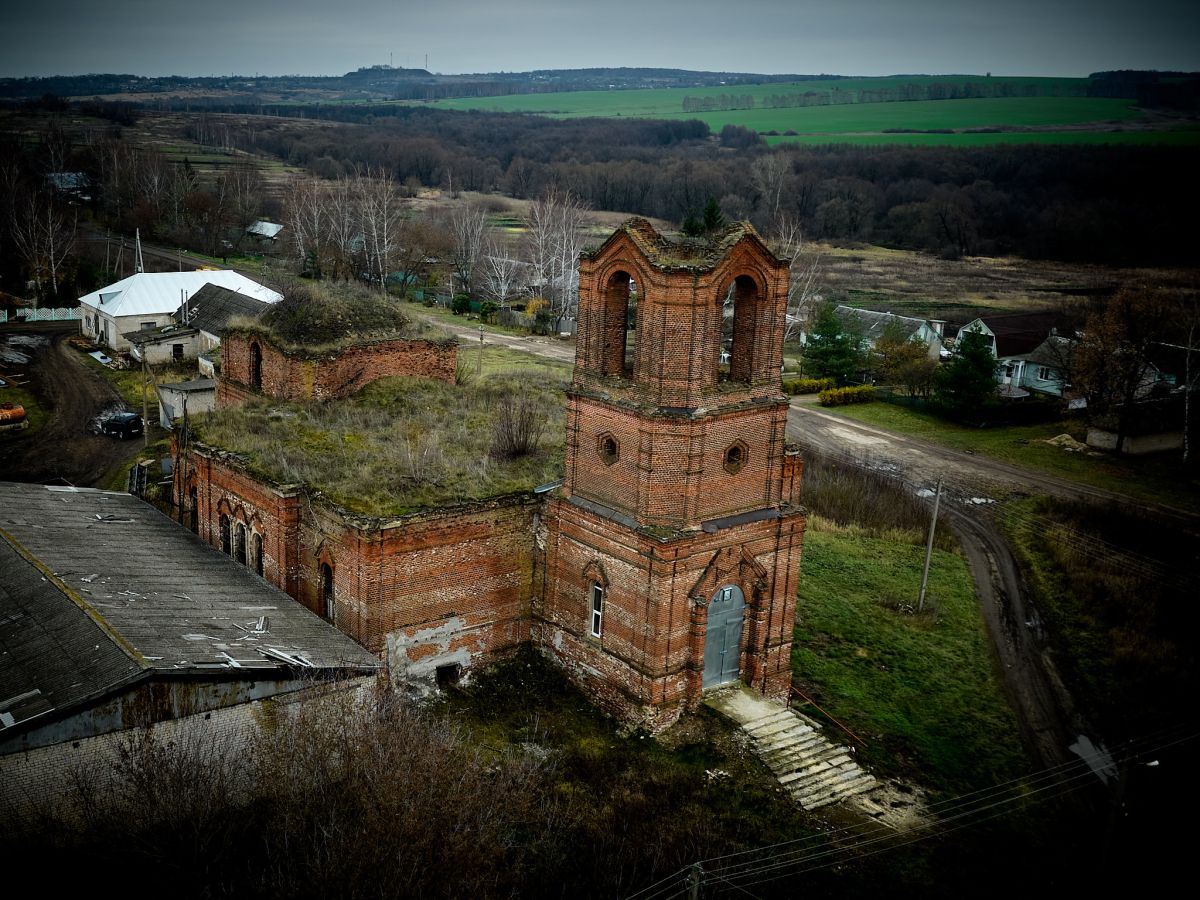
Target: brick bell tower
[673,547]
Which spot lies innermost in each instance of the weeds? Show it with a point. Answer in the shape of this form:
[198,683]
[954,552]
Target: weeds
[403,443]
[869,502]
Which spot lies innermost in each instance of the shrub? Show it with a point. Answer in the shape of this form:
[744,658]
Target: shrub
[864,393]
[488,310]
[460,305]
[809,385]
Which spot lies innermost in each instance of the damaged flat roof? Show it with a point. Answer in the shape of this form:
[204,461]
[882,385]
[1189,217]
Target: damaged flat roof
[98,587]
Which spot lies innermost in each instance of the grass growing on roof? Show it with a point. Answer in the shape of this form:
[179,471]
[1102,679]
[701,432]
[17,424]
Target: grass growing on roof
[320,318]
[401,445]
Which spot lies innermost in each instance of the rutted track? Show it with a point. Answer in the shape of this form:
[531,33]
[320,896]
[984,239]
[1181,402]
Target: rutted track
[65,449]
[1049,718]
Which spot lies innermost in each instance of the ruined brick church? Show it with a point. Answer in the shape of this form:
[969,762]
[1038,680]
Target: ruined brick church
[666,563]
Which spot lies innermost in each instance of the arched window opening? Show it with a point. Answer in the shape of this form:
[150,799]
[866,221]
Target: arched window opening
[226,536]
[741,313]
[256,545]
[256,367]
[327,599]
[619,327]
[597,609]
[239,543]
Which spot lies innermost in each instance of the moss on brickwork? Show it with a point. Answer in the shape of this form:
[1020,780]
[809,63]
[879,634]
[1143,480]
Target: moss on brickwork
[401,445]
[318,319]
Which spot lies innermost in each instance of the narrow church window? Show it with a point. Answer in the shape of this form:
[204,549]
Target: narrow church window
[194,510]
[226,536]
[239,543]
[256,366]
[327,604]
[256,545]
[597,608]
[742,314]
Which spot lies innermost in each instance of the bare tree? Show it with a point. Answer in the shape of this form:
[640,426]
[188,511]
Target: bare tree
[770,174]
[44,233]
[501,270]
[468,229]
[553,241]
[379,206]
[804,282]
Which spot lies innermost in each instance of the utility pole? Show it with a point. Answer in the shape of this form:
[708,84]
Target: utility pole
[145,423]
[479,366]
[694,880]
[937,497]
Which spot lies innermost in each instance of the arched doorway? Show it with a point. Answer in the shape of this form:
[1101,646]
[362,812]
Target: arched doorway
[723,637]
[239,543]
[226,536]
[256,545]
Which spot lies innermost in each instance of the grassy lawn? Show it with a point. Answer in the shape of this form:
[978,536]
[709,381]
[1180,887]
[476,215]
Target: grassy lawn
[131,383]
[34,414]
[440,314]
[1158,478]
[918,687]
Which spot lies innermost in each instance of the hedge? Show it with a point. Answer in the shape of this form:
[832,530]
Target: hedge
[843,396]
[809,385]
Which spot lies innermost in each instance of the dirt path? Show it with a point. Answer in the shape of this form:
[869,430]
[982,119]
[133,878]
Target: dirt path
[1049,718]
[74,396]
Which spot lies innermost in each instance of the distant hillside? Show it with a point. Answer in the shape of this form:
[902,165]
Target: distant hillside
[382,82]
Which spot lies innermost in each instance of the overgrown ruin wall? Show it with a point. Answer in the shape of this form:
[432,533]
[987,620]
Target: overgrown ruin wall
[438,589]
[326,377]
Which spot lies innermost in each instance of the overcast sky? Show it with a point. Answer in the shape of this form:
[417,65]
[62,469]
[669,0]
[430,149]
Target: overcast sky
[843,37]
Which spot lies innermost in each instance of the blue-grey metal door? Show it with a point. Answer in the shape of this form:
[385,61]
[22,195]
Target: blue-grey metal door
[723,637]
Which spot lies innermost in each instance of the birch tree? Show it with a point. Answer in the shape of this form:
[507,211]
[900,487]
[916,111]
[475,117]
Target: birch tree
[804,281]
[44,234]
[468,229]
[502,271]
[379,206]
[553,241]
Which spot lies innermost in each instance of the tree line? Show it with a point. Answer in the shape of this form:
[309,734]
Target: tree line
[1126,205]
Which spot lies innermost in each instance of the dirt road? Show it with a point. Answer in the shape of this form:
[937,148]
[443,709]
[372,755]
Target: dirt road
[74,396]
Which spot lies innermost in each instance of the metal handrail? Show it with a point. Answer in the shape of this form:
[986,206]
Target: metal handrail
[809,700]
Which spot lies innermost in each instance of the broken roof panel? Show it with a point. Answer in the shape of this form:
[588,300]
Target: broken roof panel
[211,308]
[176,603]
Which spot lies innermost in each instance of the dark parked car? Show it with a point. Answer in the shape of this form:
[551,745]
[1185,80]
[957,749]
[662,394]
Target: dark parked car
[123,425]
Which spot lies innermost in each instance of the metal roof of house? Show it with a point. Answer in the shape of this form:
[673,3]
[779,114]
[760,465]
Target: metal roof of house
[1019,333]
[165,335]
[155,293]
[263,228]
[98,589]
[874,324]
[211,308]
[186,387]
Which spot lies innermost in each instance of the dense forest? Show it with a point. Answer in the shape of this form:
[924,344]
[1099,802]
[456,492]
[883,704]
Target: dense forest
[1105,204]
[1108,204]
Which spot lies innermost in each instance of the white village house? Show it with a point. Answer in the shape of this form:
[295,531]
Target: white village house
[148,301]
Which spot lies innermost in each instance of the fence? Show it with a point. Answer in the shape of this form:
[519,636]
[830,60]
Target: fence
[44,315]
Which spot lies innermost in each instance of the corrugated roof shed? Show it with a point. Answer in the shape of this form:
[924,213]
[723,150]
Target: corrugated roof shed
[264,229]
[126,590]
[148,293]
[874,324]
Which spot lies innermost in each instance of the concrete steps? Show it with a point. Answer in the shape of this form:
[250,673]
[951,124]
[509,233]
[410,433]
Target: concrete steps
[815,770]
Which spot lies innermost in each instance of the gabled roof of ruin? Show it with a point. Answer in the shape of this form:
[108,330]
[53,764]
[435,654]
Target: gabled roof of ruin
[677,253]
[98,589]
[211,308]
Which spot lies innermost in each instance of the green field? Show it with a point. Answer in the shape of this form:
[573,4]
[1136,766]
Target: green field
[1057,116]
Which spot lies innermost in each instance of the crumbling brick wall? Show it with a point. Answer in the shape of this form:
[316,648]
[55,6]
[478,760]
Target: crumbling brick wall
[295,376]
